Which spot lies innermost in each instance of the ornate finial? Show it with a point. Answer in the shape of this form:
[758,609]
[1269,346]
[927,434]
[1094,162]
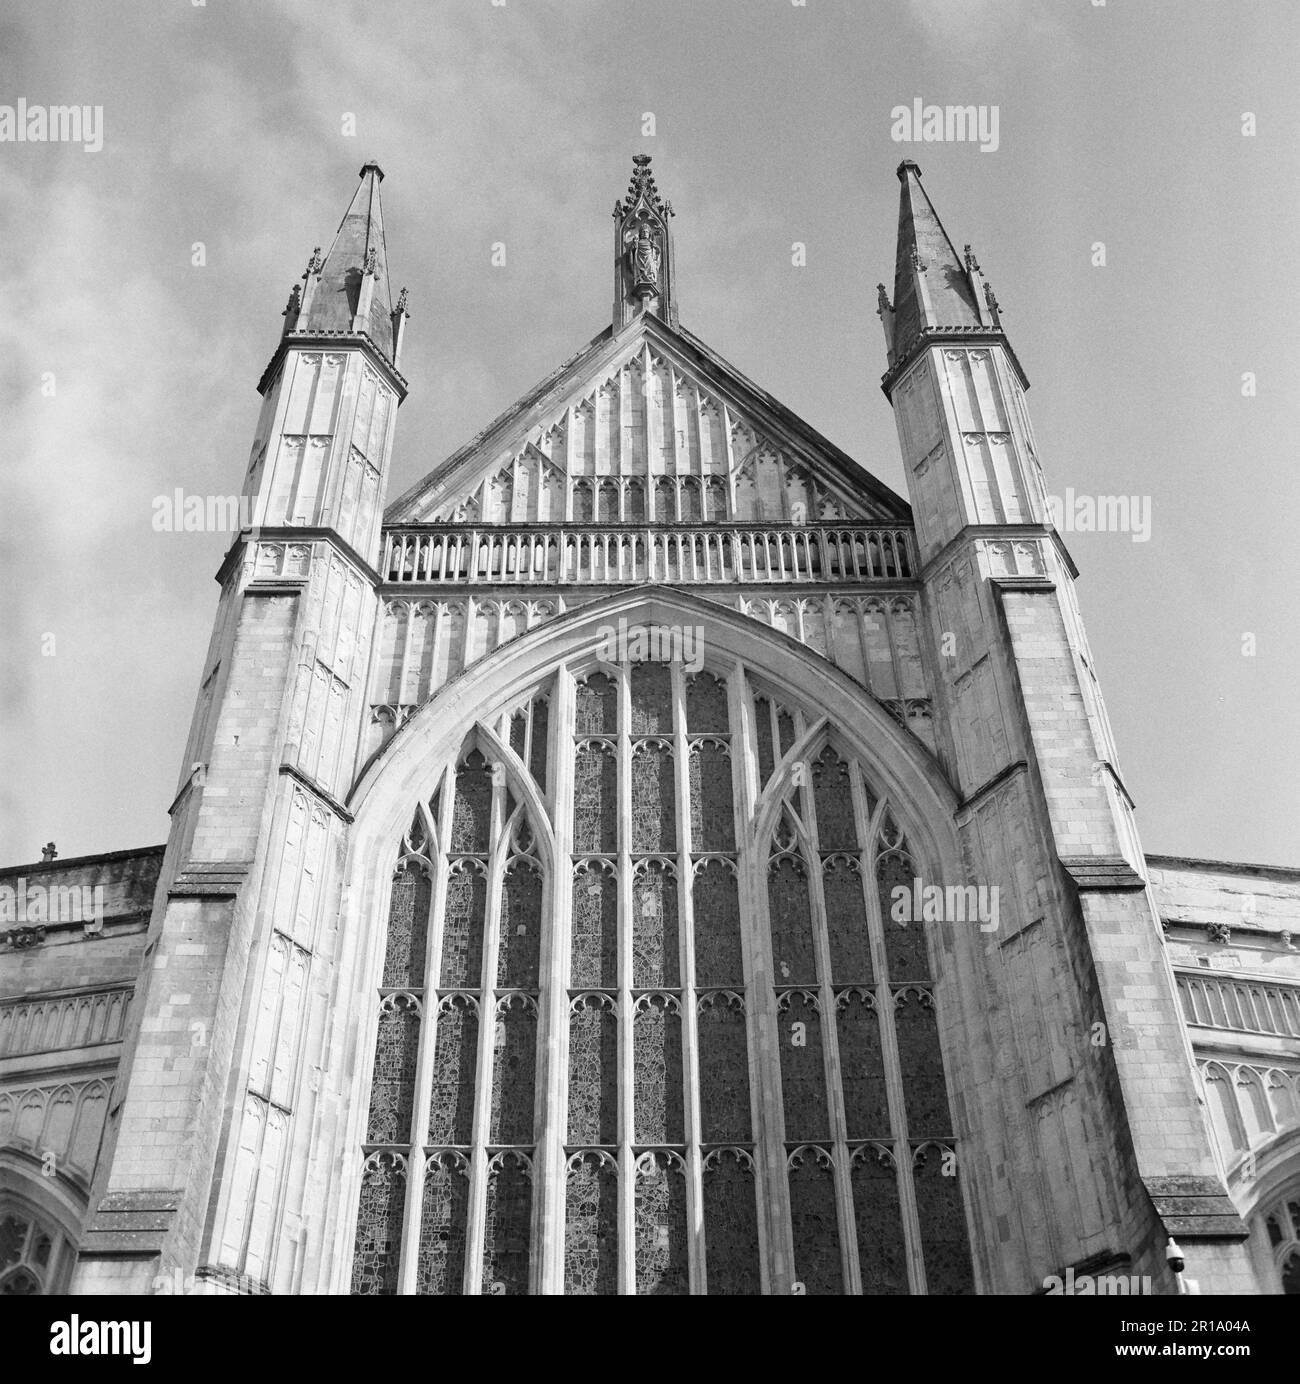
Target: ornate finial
[293,307]
[992,302]
[368,264]
[401,303]
[315,264]
[883,305]
[972,264]
[49,851]
[642,189]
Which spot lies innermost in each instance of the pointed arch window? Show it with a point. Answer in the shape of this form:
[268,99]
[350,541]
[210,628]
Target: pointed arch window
[650,1001]
[35,1255]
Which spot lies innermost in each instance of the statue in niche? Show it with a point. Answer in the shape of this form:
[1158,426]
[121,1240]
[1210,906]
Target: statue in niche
[644,258]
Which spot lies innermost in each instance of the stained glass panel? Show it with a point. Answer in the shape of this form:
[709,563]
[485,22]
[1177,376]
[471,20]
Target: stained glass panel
[654,927]
[866,1106]
[593,1071]
[440,1268]
[520,936]
[594,958]
[514,1067]
[724,1069]
[408,928]
[878,1222]
[925,1091]
[595,798]
[846,920]
[375,1262]
[833,798]
[803,1075]
[785,730]
[652,699]
[392,1091]
[716,903]
[905,948]
[451,1104]
[591,1227]
[763,738]
[791,914]
[462,927]
[537,747]
[730,1224]
[660,1213]
[506,1229]
[707,710]
[814,1223]
[713,826]
[943,1222]
[596,706]
[654,824]
[471,816]
[657,1098]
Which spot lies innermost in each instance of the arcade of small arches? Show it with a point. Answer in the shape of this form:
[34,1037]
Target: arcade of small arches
[643,1023]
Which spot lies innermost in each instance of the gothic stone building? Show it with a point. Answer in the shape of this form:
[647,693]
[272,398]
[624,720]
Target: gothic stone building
[648,856]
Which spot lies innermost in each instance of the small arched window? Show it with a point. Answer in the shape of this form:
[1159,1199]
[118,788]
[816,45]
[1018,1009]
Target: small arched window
[35,1255]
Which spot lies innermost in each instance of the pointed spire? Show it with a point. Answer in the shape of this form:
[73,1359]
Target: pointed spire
[643,256]
[348,291]
[932,285]
[939,296]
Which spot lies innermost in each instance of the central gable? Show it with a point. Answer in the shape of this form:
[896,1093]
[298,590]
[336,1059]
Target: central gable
[647,425]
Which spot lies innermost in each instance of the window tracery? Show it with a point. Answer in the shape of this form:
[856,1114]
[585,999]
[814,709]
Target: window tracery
[630,963]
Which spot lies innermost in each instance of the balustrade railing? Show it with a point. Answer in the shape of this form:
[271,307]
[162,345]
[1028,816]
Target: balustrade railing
[50,1023]
[731,553]
[1242,1006]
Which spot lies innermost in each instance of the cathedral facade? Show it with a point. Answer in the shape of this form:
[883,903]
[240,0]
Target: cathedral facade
[648,856]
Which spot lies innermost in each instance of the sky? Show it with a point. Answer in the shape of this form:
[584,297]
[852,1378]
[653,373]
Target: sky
[129,358]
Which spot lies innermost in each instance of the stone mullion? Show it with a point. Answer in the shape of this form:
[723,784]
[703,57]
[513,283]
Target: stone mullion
[772,1187]
[731,462]
[549,1184]
[300,475]
[476,1213]
[626,1058]
[889,1048]
[686,980]
[618,463]
[672,412]
[439,849]
[404,657]
[343,424]
[859,606]
[647,371]
[900,687]
[832,1070]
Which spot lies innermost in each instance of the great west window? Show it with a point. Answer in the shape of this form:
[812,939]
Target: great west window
[628,1043]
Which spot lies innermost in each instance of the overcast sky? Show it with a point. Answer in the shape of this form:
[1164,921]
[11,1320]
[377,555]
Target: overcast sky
[516,122]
